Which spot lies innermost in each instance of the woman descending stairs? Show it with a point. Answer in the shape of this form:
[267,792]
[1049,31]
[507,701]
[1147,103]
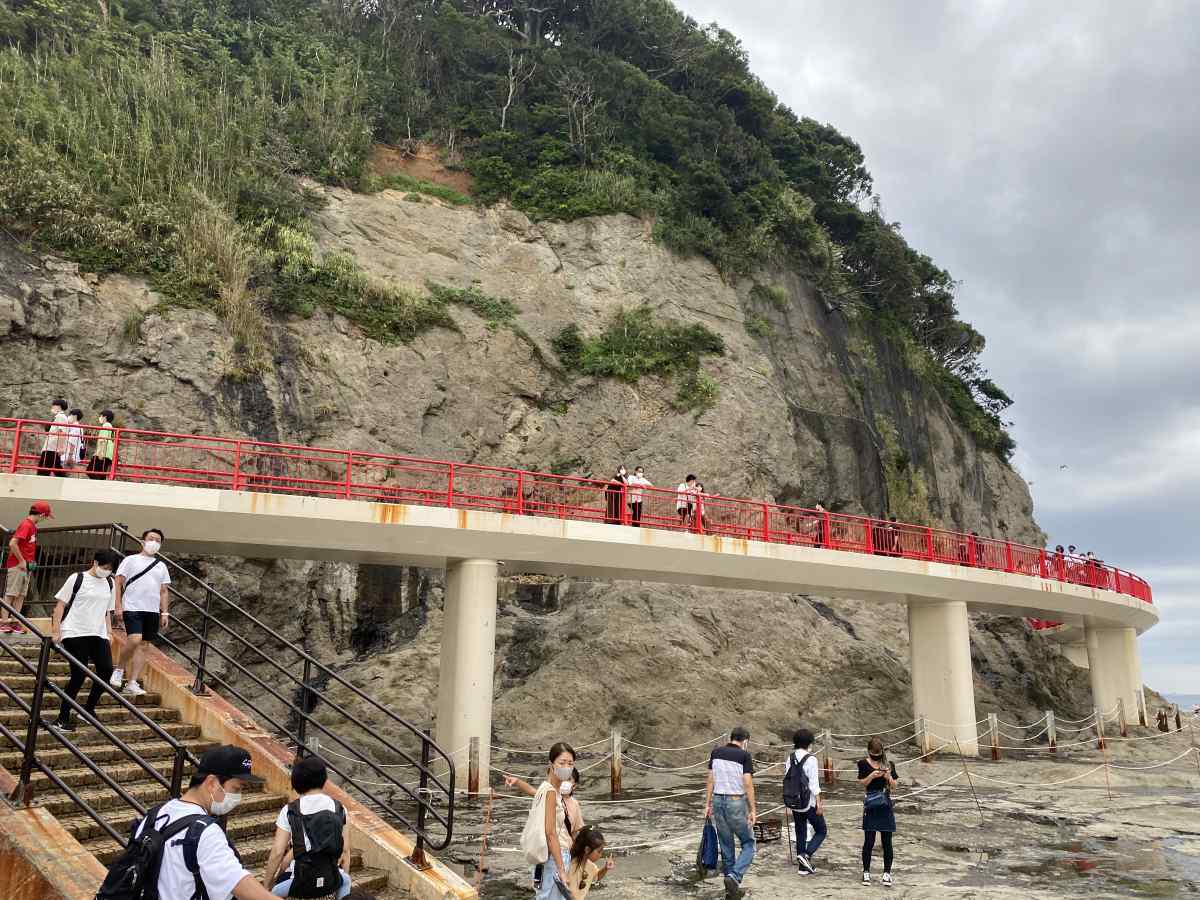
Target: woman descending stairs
[251,826]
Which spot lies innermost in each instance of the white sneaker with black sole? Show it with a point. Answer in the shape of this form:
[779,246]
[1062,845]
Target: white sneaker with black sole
[133,689]
[866,877]
[805,864]
[887,879]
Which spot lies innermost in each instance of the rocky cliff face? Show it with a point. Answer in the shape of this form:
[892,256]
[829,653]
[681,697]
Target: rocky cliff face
[810,409]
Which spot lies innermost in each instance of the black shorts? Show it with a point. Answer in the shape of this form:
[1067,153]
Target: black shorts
[143,623]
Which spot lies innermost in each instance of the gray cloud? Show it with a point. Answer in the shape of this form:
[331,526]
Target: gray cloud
[1044,154]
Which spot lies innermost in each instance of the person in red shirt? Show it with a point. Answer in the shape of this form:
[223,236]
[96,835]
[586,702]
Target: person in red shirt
[22,550]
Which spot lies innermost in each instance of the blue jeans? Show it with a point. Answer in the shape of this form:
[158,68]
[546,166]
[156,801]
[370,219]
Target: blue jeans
[548,890]
[804,846]
[281,889]
[732,820]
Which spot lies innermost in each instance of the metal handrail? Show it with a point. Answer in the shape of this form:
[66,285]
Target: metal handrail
[431,796]
[234,464]
[28,746]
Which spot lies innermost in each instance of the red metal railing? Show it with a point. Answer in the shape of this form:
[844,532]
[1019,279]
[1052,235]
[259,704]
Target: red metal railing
[247,465]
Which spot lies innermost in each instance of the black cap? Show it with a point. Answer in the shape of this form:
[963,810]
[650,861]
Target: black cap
[741,733]
[228,762]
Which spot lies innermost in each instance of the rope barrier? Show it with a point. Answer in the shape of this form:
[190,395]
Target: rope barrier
[642,765]
[878,734]
[1026,727]
[674,749]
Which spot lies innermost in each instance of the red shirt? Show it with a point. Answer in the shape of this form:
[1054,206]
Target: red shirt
[26,538]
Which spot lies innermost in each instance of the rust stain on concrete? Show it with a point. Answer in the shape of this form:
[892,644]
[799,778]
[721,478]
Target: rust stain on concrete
[463,519]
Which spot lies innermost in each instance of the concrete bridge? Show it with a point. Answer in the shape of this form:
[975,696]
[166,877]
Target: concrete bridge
[221,496]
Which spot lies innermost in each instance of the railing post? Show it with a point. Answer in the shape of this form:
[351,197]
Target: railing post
[473,768]
[827,752]
[418,859]
[1008,558]
[450,485]
[237,466]
[24,789]
[870,536]
[349,473]
[1042,563]
[303,729]
[1099,717]
[929,542]
[994,730]
[520,493]
[623,518]
[177,772]
[16,451]
[925,741]
[198,687]
[614,765]
[1123,725]
[972,551]
[1051,732]
[826,532]
[1178,721]
[766,529]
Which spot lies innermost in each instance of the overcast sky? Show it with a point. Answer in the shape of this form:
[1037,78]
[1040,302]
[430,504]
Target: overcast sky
[1048,155]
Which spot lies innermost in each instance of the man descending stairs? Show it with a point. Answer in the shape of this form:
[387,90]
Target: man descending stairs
[251,827]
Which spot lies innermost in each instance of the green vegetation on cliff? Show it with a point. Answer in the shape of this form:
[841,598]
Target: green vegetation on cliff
[165,136]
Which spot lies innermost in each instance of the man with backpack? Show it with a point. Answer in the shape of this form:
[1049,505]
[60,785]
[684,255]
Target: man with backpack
[321,856]
[802,795]
[81,625]
[180,847]
[142,581]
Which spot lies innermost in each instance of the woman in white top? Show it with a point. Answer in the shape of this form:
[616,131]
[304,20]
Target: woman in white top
[637,483]
[550,810]
[309,776]
[81,625]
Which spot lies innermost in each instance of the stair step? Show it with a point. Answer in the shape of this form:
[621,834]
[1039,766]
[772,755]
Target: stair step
[108,715]
[60,757]
[49,698]
[86,736]
[124,773]
[253,851]
[146,792]
[241,826]
[10,666]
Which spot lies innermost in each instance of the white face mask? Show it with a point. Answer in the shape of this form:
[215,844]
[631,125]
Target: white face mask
[226,805]
[103,573]
[563,773]
[152,547]
[565,788]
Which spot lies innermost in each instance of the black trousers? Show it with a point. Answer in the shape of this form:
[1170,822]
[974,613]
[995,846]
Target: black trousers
[50,463]
[98,467]
[869,846]
[635,514]
[94,650]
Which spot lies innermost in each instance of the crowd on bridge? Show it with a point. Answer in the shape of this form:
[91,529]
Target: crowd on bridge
[568,856]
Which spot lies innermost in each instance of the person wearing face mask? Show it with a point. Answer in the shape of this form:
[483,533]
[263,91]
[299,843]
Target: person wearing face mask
[547,831]
[215,790]
[101,461]
[878,776]
[614,493]
[81,624]
[568,790]
[55,446]
[142,581]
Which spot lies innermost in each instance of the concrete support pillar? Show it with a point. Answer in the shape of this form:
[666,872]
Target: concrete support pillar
[942,680]
[464,709]
[1136,713]
[1114,667]
[1076,653]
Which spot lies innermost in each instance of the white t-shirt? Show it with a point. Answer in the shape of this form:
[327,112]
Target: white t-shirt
[811,773]
[309,804]
[142,595]
[219,866]
[636,484]
[88,616]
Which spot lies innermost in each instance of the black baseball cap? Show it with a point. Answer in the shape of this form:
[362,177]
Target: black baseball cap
[228,762]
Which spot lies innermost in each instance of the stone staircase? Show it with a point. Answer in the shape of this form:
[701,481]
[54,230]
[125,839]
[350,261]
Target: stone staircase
[251,826]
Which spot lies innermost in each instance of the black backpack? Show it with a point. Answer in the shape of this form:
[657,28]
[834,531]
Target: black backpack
[75,593]
[134,874]
[796,793]
[315,873]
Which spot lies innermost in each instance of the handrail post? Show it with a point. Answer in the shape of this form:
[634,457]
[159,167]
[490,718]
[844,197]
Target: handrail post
[972,551]
[624,517]
[237,466]
[766,529]
[1099,717]
[1008,557]
[177,772]
[994,731]
[450,485]
[929,542]
[1051,732]
[827,753]
[198,687]
[1121,722]
[16,451]
[1042,563]
[614,765]
[418,860]
[24,789]
[349,472]
[520,493]
[302,731]
[826,532]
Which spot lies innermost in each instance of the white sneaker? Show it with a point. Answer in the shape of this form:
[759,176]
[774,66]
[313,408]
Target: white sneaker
[133,689]
[866,877]
[118,678]
[887,879]
[805,864]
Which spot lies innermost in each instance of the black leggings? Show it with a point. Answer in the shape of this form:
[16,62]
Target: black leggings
[91,649]
[869,845]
